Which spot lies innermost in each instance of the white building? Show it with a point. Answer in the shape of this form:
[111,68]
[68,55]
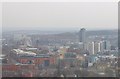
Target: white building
[90,47]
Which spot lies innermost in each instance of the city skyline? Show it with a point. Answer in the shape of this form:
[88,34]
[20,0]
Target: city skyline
[59,39]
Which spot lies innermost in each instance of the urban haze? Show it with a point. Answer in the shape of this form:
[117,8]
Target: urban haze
[59,39]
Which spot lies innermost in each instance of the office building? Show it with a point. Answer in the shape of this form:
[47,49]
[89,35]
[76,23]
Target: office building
[82,35]
[107,45]
[90,47]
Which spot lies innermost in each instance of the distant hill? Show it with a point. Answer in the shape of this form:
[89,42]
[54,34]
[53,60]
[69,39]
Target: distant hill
[31,32]
[103,32]
[91,33]
[61,33]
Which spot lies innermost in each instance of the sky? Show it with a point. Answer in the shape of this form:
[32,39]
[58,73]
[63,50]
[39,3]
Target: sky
[57,16]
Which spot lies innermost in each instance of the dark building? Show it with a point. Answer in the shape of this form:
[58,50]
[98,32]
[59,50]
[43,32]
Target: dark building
[82,35]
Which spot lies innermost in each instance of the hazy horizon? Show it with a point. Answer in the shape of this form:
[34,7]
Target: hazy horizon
[59,16]
[57,31]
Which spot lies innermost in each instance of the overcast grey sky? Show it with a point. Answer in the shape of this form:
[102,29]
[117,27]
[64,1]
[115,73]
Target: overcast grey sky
[59,15]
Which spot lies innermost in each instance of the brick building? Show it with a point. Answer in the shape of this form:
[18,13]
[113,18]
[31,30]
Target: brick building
[16,70]
[46,60]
